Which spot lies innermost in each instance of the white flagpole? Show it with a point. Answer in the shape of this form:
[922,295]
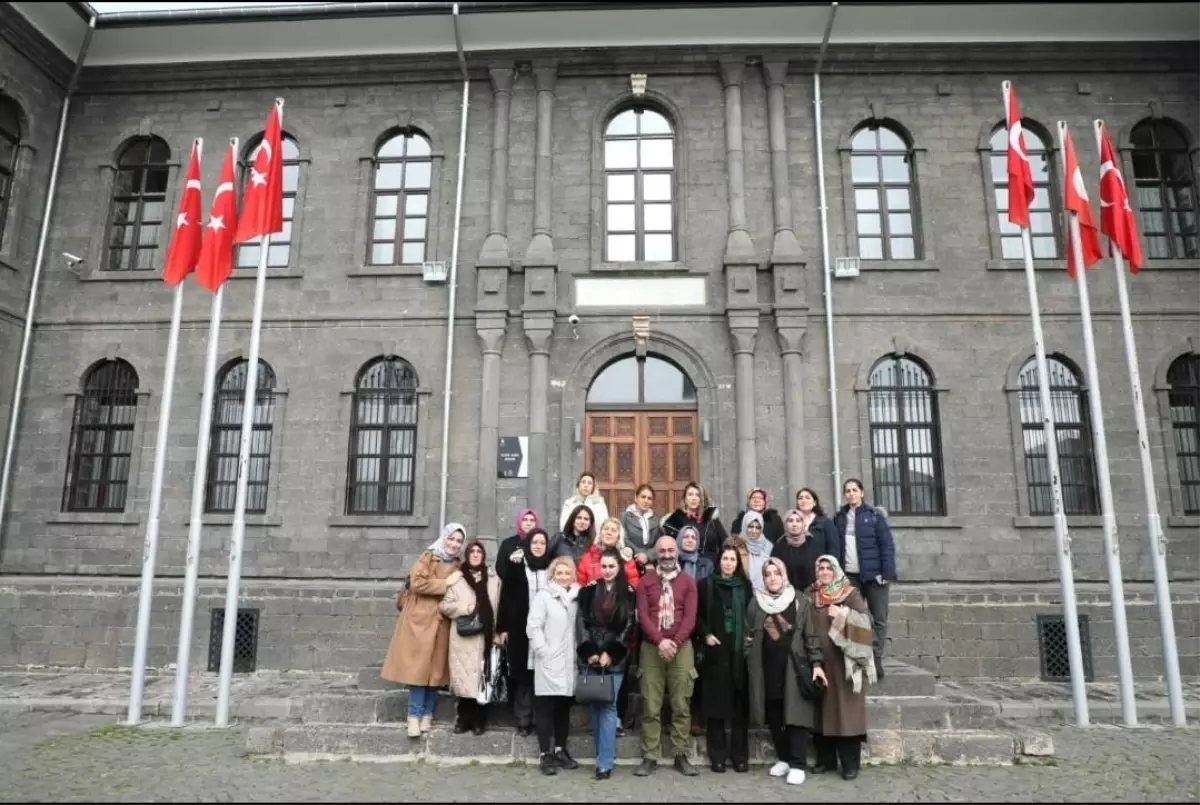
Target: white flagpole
[1112,548]
[1158,543]
[192,570]
[150,548]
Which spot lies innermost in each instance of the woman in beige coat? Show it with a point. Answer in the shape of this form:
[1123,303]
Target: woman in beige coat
[477,593]
[418,655]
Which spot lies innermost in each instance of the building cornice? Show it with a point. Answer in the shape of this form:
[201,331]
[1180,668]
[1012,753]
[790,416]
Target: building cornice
[34,46]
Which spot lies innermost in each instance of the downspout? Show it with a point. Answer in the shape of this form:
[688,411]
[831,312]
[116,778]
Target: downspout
[39,260]
[458,200]
[826,271]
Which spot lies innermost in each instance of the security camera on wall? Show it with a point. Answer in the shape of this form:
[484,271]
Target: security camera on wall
[74,263]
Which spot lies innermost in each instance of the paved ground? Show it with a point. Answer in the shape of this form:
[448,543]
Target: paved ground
[59,757]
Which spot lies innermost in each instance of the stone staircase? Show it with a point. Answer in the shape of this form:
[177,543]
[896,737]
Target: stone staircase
[911,721]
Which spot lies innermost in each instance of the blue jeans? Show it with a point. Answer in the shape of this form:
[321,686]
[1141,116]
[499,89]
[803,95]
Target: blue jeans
[421,701]
[604,721]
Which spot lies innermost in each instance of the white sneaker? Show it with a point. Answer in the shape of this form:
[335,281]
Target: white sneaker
[795,777]
[780,769]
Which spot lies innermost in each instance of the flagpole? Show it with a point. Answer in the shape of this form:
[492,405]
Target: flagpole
[1066,573]
[192,569]
[150,548]
[1158,543]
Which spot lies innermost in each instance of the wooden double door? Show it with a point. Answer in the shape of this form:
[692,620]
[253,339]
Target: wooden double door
[625,449]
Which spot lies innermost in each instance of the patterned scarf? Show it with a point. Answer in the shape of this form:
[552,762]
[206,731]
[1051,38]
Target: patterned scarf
[837,590]
[735,614]
[666,600]
[774,603]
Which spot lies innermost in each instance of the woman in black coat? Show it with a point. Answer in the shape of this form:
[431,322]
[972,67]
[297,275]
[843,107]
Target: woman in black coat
[721,647]
[808,535]
[524,576]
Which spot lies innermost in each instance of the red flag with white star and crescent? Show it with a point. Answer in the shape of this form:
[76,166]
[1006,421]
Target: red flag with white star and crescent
[216,253]
[1116,216]
[1075,199]
[1020,175]
[184,251]
[262,198]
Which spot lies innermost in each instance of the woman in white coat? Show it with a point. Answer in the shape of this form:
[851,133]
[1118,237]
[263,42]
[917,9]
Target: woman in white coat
[476,593]
[585,495]
[551,630]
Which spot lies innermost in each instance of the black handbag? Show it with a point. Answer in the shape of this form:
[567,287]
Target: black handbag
[468,625]
[810,689]
[595,688]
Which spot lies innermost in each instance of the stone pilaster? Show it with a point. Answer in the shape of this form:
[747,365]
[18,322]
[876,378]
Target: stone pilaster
[541,247]
[495,247]
[784,247]
[490,327]
[739,248]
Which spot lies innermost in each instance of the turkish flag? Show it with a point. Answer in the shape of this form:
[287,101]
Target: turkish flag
[216,253]
[184,251]
[1116,216]
[262,198]
[1020,175]
[1075,199]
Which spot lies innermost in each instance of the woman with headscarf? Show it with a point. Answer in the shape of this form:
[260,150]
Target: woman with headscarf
[693,563]
[698,511]
[551,631]
[577,536]
[476,593]
[843,625]
[586,494]
[807,535]
[418,655]
[527,520]
[721,646]
[753,547]
[526,574]
[756,501]
[783,640]
[610,538]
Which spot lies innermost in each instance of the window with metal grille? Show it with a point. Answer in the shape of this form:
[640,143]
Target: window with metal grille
[102,439]
[1073,435]
[1042,229]
[639,187]
[138,203]
[383,439]
[10,144]
[280,251]
[1052,645]
[1166,189]
[245,640]
[226,438]
[1183,397]
[906,450]
[881,169]
[400,199]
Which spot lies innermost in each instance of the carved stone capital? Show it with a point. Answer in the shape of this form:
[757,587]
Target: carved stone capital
[538,332]
[791,339]
[502,75]
[744,340]
[733,70]
[545,75]
[491,330]
[775,72]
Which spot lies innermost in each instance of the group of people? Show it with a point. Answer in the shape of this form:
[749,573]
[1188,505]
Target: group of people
[779,622]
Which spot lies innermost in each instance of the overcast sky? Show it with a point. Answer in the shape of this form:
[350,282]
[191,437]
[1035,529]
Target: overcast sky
[107,8]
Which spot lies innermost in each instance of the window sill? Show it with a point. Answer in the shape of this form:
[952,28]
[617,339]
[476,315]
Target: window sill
[155,275]
[262,520]
[641,266]
[1073,521]
[903,521]
[414,270]
[377,521]
[897,265]
[246,273]
[1183,521]
[1174,264]
[94,518]
[1019,265]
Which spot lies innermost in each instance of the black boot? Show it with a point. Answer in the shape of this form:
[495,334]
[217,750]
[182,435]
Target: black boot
[648,767]
[564,759]
[684,766]
[549,765]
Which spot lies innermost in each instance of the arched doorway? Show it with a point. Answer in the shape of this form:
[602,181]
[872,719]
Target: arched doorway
[641,427]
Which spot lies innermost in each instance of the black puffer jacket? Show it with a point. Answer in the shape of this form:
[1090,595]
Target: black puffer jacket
[712,532]
[611,635]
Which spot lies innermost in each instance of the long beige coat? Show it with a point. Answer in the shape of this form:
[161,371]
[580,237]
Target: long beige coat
[420,647]
[466,653]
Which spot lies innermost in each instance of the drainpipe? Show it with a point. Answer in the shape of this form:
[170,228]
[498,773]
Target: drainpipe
[826,271]
[10,446]
[458,199]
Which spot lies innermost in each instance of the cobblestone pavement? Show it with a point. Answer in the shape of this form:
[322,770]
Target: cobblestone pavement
[59,757]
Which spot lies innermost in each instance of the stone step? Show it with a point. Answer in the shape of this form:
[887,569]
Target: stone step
[390,742]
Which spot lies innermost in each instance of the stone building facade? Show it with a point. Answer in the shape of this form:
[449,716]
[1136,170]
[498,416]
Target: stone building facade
[715,299]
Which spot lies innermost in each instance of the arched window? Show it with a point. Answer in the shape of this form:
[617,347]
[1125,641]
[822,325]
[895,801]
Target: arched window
[1073,431]
[1183,377]
[280,252]
[10,143]
[881,168]
[400,199]
[139,198]
[102,439]
[641,381]
[906,443]
[639,187]
[1041,211]
[383,439]
[1166,189]
[225,443]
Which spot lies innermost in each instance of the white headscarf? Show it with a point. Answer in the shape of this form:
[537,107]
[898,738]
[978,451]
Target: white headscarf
[760,549]
[438,548]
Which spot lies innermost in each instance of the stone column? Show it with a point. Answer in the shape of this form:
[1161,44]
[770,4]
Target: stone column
[784,249]
[744,329]
[541,247]
[495,247]
[538,331]
[490,329]
[791,330]
[739,248]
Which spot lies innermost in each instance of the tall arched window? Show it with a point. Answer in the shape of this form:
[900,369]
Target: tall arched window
[881,168]
[400,199]
[383,439]
[1073,432]
[906,443]
[225,444]
[1183,377]
[639,187]
[280,252]
[138,202]
[10,143]
[1166,189]
[102,439]
[1041,211]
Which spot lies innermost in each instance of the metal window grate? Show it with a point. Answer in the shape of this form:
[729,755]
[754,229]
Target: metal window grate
[245,640]
[1052,643]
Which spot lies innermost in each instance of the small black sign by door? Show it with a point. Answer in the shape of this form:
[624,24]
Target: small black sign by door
[513,459]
